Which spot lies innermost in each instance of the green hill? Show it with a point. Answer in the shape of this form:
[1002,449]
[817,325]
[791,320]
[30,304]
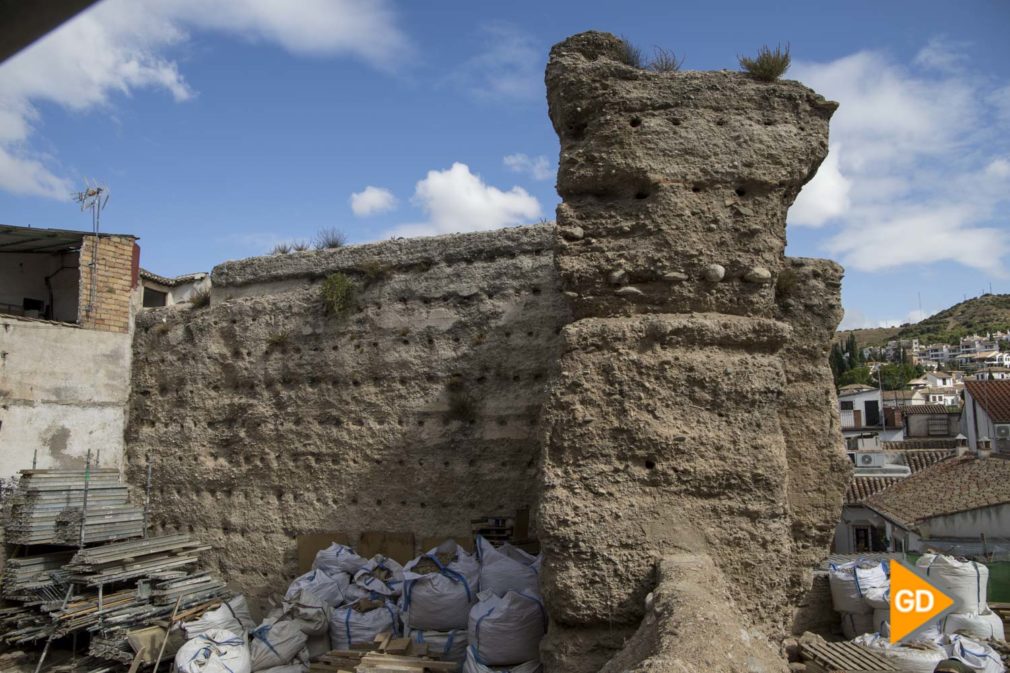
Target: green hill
[987,313]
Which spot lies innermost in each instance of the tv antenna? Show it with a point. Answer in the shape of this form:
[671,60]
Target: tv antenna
[94,198]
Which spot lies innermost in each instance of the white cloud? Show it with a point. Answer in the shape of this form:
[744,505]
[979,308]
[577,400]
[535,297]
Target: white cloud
[538,168]
[824,197]
[456,200]
[939,54]
[372,201]
[857,319]
[511,66]
[121,46]
[916,172]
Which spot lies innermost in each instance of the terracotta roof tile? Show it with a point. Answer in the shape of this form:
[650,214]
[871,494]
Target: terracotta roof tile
[949,486]
[860,488]
[993,396]
[913,409]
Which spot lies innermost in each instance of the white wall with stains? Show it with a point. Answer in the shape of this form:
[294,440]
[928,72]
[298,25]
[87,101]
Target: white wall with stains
[63,390]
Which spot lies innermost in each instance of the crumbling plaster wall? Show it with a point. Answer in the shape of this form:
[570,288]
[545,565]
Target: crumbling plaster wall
[414,410]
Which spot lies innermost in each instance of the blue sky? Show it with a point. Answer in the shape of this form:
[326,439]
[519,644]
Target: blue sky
[223,128]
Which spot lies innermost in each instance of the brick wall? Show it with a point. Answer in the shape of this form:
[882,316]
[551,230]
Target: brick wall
[114,276]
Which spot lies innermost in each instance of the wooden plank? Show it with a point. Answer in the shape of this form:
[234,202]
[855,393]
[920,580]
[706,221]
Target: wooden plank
[311,543]
[397,546]
[397,645]
[377,659]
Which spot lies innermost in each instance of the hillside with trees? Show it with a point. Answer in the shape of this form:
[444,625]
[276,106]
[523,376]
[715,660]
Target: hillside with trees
[979,315]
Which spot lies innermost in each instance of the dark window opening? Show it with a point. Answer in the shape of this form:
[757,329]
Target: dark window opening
[154,298]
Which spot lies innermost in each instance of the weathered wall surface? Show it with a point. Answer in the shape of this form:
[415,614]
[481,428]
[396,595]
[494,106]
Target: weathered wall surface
[664,432]
[63,390]
[414,410]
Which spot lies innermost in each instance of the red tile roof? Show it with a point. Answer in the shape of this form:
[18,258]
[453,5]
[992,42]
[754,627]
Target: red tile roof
[993,396]
[913,409]
[950,486]
[861,488]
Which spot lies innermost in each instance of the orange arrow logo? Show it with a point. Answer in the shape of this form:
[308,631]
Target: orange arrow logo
[914,601]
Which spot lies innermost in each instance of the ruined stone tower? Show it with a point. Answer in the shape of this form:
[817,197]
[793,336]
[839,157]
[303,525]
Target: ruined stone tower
[691,427]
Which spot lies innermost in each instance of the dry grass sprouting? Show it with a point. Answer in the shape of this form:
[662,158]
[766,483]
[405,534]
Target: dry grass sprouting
[200,298]
[769,65]
[665,61]
[329,238]
[630,54]
[337,293]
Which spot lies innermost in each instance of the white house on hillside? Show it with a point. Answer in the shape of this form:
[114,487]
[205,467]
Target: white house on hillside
[986,414]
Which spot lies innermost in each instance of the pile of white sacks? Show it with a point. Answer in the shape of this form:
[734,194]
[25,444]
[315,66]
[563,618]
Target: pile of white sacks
[860,591]
[483,611]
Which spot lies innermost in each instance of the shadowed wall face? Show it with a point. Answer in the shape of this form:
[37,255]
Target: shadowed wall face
[414,409]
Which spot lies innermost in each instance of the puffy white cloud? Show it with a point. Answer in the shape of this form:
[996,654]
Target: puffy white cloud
[456,200]
[121,46]
[511,66]
[824,197]
[372,201]
[916,172]
[538,168]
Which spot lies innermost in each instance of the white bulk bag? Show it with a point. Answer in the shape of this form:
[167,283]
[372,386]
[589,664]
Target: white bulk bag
[338,558]
[849,581]
[289,668]
[214,651]
[857,623]
[878,598]
[920,659]
[329,588]
[446,645]
[368,578]
[299,665]
[308,611]
[275,644]
[471,665]
[507,568]
[440,601]
[348,626]
[881,622]
[506,630]
[978,656]
[977,625]
[964,581]
[231,616]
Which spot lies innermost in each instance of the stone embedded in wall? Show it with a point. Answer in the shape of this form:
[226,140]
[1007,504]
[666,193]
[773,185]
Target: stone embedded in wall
[663,433]
[414,410]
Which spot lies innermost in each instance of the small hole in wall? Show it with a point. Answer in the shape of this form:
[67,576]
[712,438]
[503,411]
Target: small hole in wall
[636,122]
[676,122]
[650,465]
[642,195]
[740,191]
[695,188]
[378,502]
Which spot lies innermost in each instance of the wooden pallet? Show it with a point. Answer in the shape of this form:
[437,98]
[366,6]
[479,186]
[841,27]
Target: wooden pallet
[843,658]
[385,655]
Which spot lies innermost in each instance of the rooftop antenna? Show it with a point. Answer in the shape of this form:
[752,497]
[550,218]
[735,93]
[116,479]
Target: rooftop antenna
[93,198]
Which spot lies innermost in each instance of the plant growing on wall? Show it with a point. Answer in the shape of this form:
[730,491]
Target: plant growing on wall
[200,298]
[768,65]
[329,238]
[337,293]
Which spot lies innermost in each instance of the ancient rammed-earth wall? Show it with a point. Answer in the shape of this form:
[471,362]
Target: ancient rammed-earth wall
[650,375]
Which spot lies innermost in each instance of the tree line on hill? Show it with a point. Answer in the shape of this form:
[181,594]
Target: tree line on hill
[848,367]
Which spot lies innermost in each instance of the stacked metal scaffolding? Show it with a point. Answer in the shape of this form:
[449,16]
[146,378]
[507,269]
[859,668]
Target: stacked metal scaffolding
[105,589]
[48,507]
